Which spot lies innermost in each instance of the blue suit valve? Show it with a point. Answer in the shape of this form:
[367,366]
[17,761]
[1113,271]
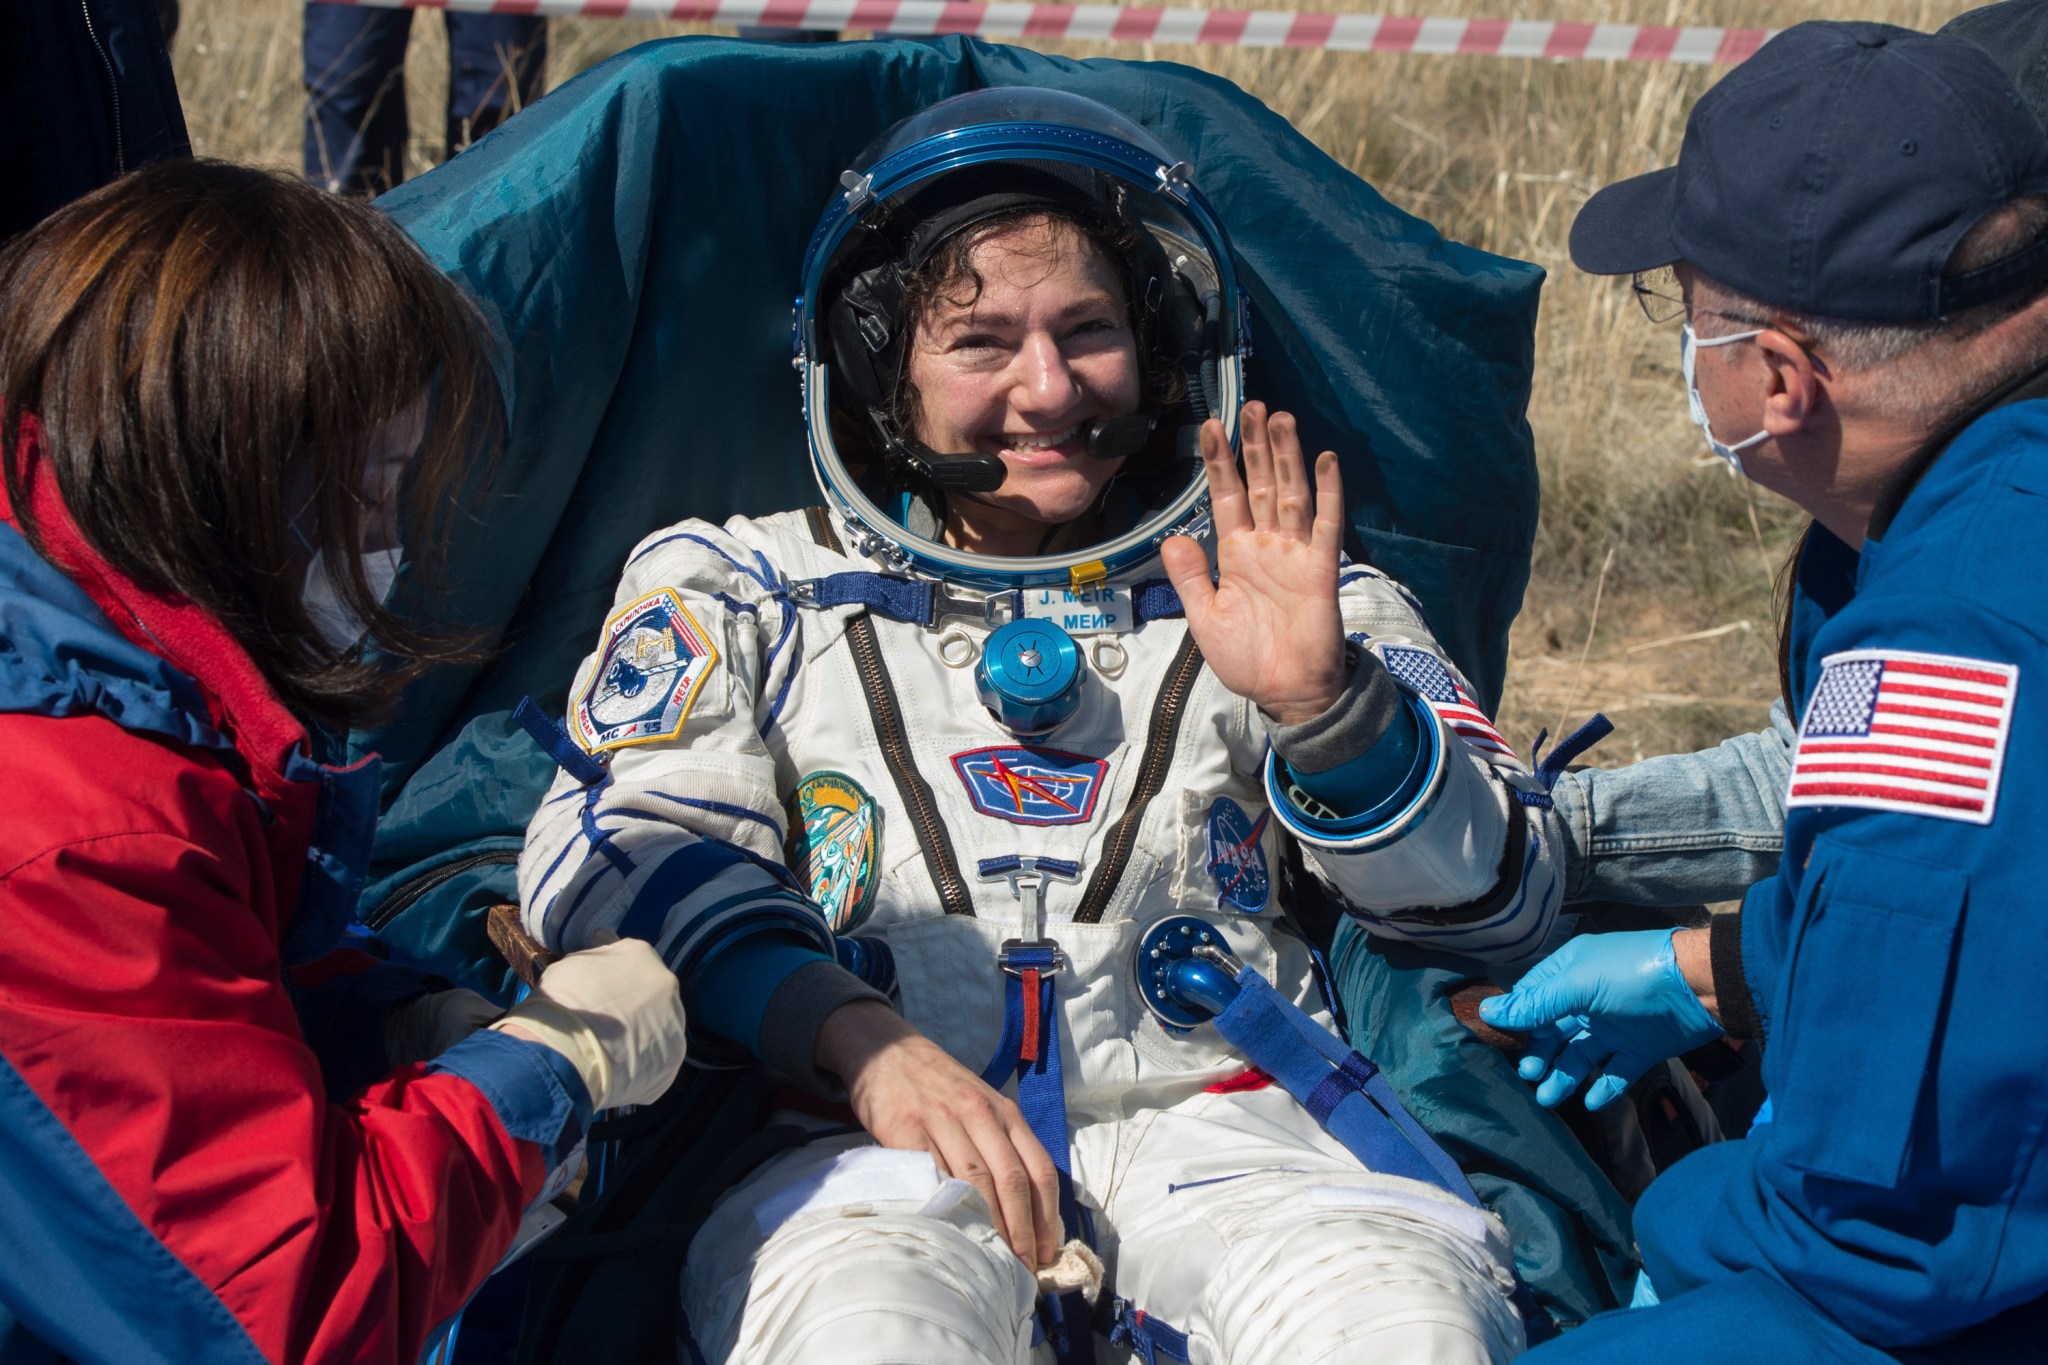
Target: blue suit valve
[1030,676]
[1185,972]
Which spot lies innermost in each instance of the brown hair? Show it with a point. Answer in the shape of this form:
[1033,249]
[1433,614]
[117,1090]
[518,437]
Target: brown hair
[948,275]
[208,348]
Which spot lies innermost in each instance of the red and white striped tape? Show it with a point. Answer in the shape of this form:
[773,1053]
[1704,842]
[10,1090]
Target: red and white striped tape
[1219,27]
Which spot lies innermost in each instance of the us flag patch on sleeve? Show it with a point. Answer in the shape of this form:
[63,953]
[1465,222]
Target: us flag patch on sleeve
[1426,676]
[1919,733]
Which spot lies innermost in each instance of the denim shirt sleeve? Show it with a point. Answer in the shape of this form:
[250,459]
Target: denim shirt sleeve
[1683,829]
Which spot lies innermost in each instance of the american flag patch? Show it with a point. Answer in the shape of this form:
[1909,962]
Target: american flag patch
[1422,673]
[1921,733]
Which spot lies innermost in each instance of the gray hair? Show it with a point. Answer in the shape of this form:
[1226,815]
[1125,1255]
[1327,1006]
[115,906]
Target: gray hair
[1924,383]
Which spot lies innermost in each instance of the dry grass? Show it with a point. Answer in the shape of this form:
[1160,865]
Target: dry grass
[1500,153]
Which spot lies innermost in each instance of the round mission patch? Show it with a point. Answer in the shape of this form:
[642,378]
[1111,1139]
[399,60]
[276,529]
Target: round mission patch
[834,829]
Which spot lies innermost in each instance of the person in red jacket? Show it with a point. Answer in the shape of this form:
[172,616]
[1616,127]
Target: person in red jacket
[223,395]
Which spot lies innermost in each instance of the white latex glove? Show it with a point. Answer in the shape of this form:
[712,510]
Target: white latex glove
[616,1013]
[424,1028]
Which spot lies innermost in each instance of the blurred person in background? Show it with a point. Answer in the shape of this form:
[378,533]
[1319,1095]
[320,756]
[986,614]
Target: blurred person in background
[1856,236]
[356,118]
[224,1135]
[86,94]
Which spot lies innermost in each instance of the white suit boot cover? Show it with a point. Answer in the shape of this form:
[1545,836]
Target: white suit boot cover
[864,1262]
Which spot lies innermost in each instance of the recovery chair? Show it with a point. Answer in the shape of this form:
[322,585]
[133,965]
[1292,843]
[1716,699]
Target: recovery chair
[634,239]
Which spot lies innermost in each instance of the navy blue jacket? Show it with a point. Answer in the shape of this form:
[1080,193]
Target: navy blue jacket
[1894,959]
[86,95]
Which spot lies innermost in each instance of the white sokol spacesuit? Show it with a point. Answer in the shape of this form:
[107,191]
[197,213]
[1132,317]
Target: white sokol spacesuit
[766,695]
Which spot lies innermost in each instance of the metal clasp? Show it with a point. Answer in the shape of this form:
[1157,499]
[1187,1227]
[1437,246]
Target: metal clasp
[1027,877]
[991,609]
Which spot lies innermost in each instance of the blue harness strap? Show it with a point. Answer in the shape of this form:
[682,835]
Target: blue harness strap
[1345,1092]
[1030,1051]
[916,601]
[1146,1336]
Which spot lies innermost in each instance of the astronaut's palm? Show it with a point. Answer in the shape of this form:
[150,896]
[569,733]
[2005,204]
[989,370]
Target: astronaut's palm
[1269,626]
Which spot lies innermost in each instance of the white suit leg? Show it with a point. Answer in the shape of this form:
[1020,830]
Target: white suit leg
[843,1253]
[1243,1224]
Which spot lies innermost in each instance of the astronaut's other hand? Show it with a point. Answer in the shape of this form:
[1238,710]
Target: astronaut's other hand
[1604,1008]
[428,1025]
[1268,626]
[909,1094]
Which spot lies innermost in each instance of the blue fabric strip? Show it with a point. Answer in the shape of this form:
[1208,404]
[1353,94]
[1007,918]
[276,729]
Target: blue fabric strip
[681,872]
[538,1094]
[1155,600]
[80,1270]
[1345,1092]
[723,808]
[996,867]
[556,744]
[900,599]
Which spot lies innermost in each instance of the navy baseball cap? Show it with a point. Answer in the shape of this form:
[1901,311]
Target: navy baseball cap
[1832,174]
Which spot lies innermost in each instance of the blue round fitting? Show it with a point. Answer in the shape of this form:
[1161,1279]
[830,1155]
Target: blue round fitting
[1030,676]
[1180,987]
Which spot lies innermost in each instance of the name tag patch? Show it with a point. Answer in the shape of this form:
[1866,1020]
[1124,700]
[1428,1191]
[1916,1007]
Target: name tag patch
[1100,610]
[652,660]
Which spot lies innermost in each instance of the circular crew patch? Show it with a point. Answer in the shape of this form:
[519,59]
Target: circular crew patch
[833,829]
[651,662]
[1237,856]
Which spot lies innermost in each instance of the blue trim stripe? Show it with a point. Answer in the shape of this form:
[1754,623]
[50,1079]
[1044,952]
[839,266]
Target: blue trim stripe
[79,1269]
[760,575]
[1515,907]
[681,872]
[599,839]
[723,808]
[537,1094]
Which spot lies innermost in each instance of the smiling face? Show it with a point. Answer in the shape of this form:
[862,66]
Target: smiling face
[1018,369]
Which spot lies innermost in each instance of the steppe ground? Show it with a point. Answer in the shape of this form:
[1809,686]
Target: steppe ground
[1652,591]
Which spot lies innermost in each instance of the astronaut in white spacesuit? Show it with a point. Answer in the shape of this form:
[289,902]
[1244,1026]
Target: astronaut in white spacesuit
[1044,671]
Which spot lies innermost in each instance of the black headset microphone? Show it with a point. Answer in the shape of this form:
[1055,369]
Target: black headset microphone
[1108,438]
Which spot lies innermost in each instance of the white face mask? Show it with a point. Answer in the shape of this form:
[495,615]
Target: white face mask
[339,626]
[1689,348]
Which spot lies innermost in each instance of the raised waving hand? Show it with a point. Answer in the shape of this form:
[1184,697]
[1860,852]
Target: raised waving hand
[1268,626]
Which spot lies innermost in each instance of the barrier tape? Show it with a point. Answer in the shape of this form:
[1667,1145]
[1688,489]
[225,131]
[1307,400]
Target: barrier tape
[1215,27]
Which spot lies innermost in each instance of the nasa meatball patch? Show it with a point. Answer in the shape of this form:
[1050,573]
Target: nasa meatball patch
[652,660]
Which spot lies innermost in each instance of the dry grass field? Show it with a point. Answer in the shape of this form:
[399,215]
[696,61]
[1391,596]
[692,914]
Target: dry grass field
[1652,594]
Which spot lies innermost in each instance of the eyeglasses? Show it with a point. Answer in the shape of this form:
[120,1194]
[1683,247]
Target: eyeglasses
[1658,294]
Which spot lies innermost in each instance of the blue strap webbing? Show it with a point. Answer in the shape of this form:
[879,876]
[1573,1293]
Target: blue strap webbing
[1155,600]
[1042,1097]
[899,599]
[555,742]
[1146,1336]
[1552,765]
[1345,1092]
[914,601]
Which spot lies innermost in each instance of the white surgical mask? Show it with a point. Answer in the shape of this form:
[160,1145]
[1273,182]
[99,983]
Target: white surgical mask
[339,626]
[1688,349]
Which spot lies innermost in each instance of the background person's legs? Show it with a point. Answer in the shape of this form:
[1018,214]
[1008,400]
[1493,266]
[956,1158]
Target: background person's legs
[497,65]
[355,97]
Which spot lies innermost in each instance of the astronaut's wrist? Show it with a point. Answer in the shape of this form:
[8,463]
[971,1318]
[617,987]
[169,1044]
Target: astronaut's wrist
[854,1034]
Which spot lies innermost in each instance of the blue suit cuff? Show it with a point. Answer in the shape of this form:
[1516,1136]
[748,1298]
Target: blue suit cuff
[537,1092]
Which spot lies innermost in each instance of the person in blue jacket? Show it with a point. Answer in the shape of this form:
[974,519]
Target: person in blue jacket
[1856,236]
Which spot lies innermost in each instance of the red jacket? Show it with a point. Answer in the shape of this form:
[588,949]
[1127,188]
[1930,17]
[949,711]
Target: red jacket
[176,1180]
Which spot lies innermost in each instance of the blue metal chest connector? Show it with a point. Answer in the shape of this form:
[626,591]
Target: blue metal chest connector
[1030,676]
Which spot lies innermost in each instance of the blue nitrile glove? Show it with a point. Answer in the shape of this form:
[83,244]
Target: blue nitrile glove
[1609,1006]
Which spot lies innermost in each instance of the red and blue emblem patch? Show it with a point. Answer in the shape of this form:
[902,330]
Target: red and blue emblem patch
[1031,786]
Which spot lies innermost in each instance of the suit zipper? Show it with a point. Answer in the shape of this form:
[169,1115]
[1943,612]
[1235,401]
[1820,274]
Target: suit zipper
[887,716]
[113,87]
